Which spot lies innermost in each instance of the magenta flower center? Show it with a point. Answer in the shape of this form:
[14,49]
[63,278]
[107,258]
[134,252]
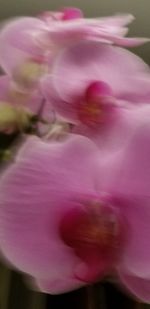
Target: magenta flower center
[96,104]
[95,235]
[90,112]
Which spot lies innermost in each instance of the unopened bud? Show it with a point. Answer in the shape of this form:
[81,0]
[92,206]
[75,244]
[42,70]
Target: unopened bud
[12,118]
[28,73]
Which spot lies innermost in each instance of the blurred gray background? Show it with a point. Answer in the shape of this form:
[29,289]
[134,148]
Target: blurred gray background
[139,8]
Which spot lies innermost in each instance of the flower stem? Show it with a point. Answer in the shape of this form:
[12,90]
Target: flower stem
[95,296]
[90,297]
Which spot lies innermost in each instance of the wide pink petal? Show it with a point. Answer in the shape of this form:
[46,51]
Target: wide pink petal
[62,108]
[58,286]
[112,136]
[17,43]
[118,20]
[134,160]
[137,286]
[138,90]
[91,61]
[62,34]
[129,42]
[45,181]
[109,29]
[129,182]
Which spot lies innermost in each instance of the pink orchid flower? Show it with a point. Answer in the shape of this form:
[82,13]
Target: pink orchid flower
[17,36]
[91,85]
[69,25]
[20,57]
[129,181]
[62,183]
[70,216]
[32,43]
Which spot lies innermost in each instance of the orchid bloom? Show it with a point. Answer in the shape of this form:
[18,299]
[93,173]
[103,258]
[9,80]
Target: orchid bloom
[72,210]
[20,57]
[129,182]
[83,217]
[57,183]
[28,45]
[92,84]
[70,27]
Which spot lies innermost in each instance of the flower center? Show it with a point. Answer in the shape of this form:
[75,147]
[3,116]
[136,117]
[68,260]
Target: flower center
[96,105]
[90,112]
[95,235]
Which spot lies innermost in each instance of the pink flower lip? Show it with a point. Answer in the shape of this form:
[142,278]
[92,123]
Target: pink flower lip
[98,89]
[95,235]
[96,104]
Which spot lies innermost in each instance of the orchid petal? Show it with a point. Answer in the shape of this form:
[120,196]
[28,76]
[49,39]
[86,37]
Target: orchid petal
[58,286]
[90,61]
[16,43]
[43,175]
[138,287]
[129,181]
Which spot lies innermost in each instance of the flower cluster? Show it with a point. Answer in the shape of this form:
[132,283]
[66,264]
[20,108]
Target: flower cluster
[75,201]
